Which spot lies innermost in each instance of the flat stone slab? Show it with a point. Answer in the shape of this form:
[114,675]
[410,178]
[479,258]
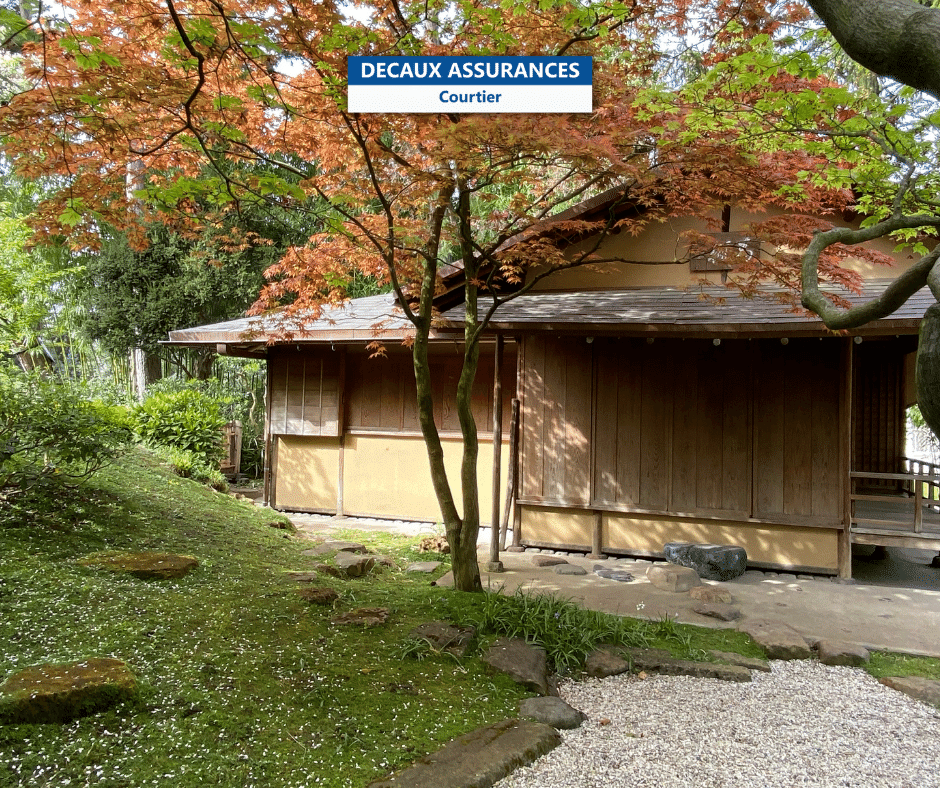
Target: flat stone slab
[669,577]
[444,637]
[717,610]
[318,596]
[655,661]
[144,565]
[522,662]
[835,652]
[363,616]
[710,561]
[63,692]
[547,560]
[926,690]
[620,575]
[424,567]
[479,759]
[569,569]
[354,564]
[337,546]
[704,593]
[751,663]
[777,639]
[552,711]
[604,662]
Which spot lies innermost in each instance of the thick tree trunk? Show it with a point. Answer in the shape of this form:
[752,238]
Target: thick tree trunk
[145,369]
[928,368]
[893,38]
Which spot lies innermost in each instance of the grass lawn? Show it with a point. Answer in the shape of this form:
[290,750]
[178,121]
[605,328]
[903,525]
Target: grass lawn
[245,684]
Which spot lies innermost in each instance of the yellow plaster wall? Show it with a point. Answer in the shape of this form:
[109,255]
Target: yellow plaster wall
[390,476]
[780,545]
[306,472]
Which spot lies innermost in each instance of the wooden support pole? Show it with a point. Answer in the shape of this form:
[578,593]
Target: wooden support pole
[597,536]
[511,472]
[341,429]
[266,470]
[495,565]
[845,461]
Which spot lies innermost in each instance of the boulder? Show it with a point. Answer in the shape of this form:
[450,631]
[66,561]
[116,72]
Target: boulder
[62,692]
[332,571]
[444,637]
[318,596]
[144,565]
[523,663]
[717,610]
[926,690]
[552,711]
[603,662]
[568,569]
[547,560]
[478,759]
[669,577]
[710,561]
[777,639]
[834,652]
[711,594]
[363,616]
[353,564]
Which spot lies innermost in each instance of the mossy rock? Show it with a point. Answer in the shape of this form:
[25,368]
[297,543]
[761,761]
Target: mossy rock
[146,565]
[62,692]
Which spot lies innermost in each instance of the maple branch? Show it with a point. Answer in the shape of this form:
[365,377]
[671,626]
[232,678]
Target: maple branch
[902,288]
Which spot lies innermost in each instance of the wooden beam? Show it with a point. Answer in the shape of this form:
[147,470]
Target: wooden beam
[513,471]
[495,565]
[597,536]
[266,470]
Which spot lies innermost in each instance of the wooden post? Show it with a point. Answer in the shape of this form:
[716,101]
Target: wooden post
[918,506]
[597,536]
[341,428]
[845,461]
[511,472]
[266,471]
[495,565]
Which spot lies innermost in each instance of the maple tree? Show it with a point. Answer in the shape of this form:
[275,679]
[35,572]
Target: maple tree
[167,89]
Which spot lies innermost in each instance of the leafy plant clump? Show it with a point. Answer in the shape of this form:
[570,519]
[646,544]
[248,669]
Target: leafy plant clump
[48,429]
[189,419]
[190,465]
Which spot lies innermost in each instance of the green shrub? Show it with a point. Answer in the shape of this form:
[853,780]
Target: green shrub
[47,428]
[187,419]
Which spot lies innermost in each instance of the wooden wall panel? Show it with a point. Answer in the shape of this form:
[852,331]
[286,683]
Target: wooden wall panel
[879,409]
[305,392]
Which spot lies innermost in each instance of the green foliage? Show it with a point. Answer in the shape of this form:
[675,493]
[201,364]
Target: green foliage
[567,632]
[47,428]
[189,419]
[190,465]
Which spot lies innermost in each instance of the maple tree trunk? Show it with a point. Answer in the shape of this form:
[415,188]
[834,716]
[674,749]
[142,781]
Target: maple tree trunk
[894,38]
[928,368]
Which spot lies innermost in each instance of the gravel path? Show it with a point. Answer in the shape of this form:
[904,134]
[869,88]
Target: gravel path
[804,724]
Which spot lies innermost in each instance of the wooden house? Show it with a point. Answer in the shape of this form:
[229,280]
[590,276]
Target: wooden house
[653,409]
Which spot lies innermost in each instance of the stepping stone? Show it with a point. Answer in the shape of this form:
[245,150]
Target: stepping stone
[318,596]
[63,692]
[363,616]
[332,571]
[568,569]
[547,560]
[444,637]
[336,546]
[478,759]
[305,577]
[654,661]
[834,652]
[751,663]
[603,662]
[926,690]
[424,567]
[619,575]
[777,639]
[717,610]
[384,560]
[354,565]
[552,711]
[144,565]
[711,594]
[523,663]
[710,561]
[669,577]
